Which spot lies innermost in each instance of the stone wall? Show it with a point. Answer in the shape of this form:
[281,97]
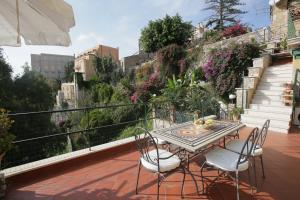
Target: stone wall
[260,35]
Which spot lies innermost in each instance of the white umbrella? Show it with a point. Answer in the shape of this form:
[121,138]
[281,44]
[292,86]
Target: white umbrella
[273,2]
[39,22]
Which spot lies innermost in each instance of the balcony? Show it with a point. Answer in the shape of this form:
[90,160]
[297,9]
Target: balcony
[110,174]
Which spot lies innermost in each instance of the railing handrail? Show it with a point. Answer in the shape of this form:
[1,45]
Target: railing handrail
[78,131]
[294,93]
[73,109]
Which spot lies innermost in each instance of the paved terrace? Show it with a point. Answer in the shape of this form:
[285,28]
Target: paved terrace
[111,175]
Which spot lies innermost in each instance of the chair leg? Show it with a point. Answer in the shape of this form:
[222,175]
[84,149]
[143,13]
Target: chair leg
[262,166]
[254,169]
[250,181]
[202,178]
[237,134]
[137,180]
[182,182]
[193,180]
[237,185]
[158,185]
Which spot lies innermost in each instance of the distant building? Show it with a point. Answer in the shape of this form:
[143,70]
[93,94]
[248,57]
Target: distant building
[51,66]
[67,95]
[84,61]
[132,62]
[198,31]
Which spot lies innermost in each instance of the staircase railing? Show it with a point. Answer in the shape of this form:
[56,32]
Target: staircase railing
[296,86]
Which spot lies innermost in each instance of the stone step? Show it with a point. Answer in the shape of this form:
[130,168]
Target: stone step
[281,75]
[270,88]
[267,108]
[259,121]
[270,84]
[280,68]
[269,114]
[290,71]
[276,80]
[268,92]
[268,102]
[279,130]
[268,98]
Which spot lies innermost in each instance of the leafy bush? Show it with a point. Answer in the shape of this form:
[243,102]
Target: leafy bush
[6,138]
[107,70]
[176,90]
[143,90]
[143,73]
[225,67]
[96,118]
[102,93]
[211,36]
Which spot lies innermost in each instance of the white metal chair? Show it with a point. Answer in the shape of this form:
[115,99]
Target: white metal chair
[156,160]
[237,145]
[229,161]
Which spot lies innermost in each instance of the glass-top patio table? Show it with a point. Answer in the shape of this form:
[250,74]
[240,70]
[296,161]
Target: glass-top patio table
[194,138]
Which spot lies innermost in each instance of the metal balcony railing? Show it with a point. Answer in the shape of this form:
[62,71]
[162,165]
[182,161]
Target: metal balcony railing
[45,134]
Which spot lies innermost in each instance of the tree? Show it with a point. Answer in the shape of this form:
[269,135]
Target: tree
[6,83]
[166,31]
[69,71]
[106,70]
[32,93]
[225,11]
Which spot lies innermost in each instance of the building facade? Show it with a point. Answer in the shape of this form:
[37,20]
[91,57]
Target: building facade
[84,62]
[198,31]
[51,66]
[132,62]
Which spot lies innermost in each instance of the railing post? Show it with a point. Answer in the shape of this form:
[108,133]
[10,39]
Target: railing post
[88,127]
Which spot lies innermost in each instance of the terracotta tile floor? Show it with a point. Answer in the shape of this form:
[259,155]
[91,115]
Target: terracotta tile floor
[114,178]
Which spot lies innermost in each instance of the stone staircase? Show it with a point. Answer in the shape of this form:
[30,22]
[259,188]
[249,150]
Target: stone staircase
[267,99]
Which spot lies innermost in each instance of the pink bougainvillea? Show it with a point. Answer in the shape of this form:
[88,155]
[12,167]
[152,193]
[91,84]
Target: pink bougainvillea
[235,30]
[134,98]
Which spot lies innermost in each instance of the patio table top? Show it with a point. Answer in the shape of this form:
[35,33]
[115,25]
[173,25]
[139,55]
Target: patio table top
[194,138]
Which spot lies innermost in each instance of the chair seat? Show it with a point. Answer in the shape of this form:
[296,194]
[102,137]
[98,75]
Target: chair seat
[160,141]
[237,145]
[235,133]
[225,160]
[164,164]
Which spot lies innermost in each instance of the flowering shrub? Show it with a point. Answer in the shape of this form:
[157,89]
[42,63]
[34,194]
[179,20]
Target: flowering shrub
[172,60]
[225,67]
[235,30]
[144,89]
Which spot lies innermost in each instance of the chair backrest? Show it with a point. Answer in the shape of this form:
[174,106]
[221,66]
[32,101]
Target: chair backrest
[162,118]
[263,134]
[247,147]
[146,143]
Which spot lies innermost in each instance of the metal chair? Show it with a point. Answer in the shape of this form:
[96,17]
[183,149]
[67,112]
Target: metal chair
[162,120]
[157,160]
[223,115]
[236,146]
[229,161]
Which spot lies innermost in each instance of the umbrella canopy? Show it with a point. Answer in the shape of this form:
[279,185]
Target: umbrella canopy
[39,22]
[273,2]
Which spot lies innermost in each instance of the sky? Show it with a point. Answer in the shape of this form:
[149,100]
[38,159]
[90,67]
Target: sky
[118,23]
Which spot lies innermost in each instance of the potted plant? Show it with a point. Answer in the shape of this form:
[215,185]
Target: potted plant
[236,113]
